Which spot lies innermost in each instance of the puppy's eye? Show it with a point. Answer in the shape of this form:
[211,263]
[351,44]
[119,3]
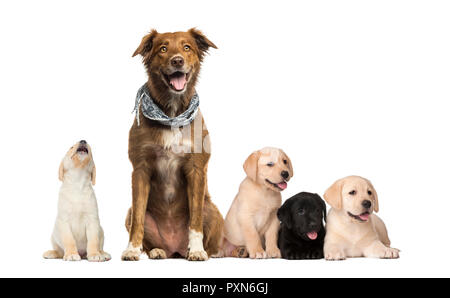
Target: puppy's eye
[187,48]
[285,161]
[163,49]
[353,192]
[270,164]
[301,211]
[369,192]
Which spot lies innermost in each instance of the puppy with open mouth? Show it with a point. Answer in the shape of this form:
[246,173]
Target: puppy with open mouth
[302,231]
[251,225]
[77,233]
[352,229]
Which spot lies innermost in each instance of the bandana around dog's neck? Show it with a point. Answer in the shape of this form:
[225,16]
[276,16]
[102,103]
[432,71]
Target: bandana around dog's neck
[151,111]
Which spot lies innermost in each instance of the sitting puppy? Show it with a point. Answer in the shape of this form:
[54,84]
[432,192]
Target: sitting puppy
[352,229]
[77,231]
[253,215]
[302,232]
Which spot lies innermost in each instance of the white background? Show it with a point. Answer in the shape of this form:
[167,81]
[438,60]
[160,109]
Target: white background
[344,87]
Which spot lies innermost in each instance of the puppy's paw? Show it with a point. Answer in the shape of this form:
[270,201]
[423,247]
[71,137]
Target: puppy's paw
[98,257]
[273,253]
[72,257]
[157,254]
[52,254]
[131,254]
[390,253]
[335,255]
[259,254]
[199,255]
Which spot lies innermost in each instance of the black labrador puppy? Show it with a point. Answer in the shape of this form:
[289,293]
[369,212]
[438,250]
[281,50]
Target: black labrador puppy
[302,232]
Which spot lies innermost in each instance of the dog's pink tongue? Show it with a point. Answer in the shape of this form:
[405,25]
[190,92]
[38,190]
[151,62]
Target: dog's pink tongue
[312,235]
[282,185]
[364,216]
[178,82]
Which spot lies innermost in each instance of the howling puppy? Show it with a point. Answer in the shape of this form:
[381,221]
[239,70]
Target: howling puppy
[77,233]
[172,214]
[251,225]
[352,229]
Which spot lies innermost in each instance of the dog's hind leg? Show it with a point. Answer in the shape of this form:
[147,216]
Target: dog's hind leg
[213,230]
[56,253]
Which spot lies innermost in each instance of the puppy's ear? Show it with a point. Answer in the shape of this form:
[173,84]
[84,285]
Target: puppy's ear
[93,175]
[333,195]
[284,214]
[61,171]
[375,195]
[251,165]
[146,44]
[203,43]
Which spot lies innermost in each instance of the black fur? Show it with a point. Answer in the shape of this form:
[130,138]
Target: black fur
[292,237]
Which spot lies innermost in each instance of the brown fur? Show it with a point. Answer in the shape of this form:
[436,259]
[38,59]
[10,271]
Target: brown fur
[169,189]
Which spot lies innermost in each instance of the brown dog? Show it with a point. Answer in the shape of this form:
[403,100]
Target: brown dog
[172,214]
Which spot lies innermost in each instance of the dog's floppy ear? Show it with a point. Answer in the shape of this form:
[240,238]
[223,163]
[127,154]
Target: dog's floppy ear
[251,165]
[203,43]
[333,195]
[93,175]
[375,195]
[146,44]
[284,214]
[61,171]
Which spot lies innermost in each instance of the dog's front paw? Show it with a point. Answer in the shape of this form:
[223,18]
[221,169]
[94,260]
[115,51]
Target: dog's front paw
[198,255]
[131,254]
[258,254]
[335,255]
[273,253]
[72,257]
[390,253]
[98,257]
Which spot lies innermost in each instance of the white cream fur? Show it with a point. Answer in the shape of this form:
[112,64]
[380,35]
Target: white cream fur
[77,232]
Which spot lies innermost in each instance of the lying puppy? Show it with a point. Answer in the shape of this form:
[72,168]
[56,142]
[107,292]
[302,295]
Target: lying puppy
[253,214]
[302,232]
[77,233]
[352,229]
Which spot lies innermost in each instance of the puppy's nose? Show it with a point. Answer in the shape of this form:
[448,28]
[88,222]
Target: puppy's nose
[313,226]
[177,61]
[83,142]
[285,174]
[366,204]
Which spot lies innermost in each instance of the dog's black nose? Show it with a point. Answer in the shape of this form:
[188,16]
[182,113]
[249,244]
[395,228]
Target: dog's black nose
[285,174]
[313,226]
[366,204]
[83,142]
[177,61]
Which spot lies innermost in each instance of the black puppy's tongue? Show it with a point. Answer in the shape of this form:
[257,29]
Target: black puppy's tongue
[312,235]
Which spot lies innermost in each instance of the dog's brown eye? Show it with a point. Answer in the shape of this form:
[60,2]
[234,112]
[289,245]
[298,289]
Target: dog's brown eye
[369,192]
[187,48]
[285,161]
[301,211]
[163,49]
[270,164]
[353,192]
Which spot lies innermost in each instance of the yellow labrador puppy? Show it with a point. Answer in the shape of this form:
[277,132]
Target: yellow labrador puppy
[252,221]
[77,232]
[352,228]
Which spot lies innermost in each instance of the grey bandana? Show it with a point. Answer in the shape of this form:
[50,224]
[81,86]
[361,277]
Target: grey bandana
[150,110]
